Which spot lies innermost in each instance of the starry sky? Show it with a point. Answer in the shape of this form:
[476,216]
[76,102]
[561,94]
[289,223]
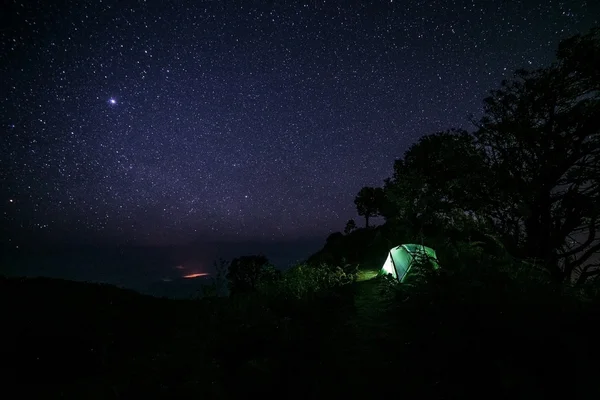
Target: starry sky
[160,122]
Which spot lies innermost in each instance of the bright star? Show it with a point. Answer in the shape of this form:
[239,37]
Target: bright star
[112,101]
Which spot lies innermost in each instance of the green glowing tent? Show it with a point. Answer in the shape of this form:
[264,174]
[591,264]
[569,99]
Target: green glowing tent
[401,259]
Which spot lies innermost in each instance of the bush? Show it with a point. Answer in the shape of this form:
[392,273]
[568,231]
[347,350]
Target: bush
[304,280]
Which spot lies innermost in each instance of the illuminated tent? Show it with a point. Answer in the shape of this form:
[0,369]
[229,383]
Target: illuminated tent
[402,259]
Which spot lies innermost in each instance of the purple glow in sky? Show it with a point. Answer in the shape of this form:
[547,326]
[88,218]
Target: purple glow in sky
[243,119]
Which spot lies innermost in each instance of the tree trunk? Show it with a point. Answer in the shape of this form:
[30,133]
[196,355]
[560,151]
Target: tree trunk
[367,220]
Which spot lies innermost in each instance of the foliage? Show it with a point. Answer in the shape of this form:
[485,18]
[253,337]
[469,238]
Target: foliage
[441,175]
[219,283]
[369,202]
[350,227]
[542,135]
[305,280]
[247,272]
[438,190]
[361,246]
[529,174]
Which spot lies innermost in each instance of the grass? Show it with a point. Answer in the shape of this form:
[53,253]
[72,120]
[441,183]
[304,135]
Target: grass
[366,274]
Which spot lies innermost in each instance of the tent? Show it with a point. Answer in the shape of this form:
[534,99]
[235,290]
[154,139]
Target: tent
[401,259]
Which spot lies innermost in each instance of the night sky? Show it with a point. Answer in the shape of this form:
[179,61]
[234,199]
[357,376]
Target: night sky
[158,122]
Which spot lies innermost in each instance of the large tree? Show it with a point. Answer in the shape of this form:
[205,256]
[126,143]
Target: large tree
[541,134]
[440,184]
[530,172]
[369,201]
[246,272]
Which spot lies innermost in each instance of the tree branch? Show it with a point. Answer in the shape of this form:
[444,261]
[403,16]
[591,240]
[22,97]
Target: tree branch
[587,273]
[590,239]
[585,256]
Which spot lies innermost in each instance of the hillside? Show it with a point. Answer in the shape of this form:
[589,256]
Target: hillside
[454,340]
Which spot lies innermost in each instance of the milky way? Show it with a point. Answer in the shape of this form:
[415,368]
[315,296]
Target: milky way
[169,121]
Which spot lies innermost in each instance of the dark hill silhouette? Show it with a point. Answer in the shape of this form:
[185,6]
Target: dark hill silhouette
[457,335]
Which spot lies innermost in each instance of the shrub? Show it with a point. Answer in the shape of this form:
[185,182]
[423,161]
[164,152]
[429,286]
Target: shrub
[303,280]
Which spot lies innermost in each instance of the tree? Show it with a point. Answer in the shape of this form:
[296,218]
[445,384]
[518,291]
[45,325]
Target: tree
[541,134]
[350,227]
[440,184]
[530,173]
[246,272]
[369,202]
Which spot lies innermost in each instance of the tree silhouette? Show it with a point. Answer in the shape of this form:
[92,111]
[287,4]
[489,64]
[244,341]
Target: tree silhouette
[246,272]
[350,226]
[541,133]
[441,182]
[369,202]
[530,172]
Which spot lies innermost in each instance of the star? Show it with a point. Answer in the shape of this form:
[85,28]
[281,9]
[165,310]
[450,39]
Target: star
[241,138]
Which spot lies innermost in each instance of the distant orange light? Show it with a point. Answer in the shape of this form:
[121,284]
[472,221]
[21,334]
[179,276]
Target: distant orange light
[195,275]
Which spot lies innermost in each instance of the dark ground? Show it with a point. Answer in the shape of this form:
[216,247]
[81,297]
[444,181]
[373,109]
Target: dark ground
[76,340]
